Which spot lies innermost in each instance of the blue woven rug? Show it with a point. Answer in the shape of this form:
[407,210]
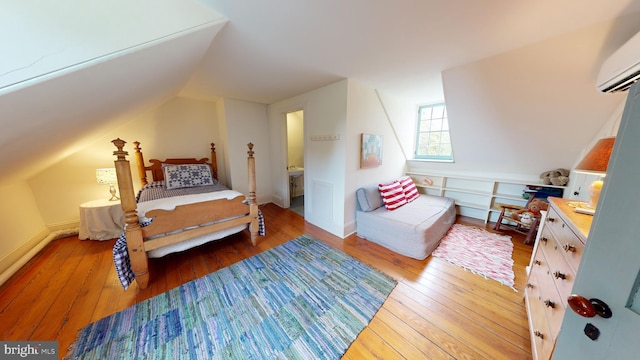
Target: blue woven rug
[300,300]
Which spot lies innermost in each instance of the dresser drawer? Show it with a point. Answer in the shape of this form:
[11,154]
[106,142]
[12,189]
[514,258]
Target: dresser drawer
[546,293]
[570,244]
[552,301]
[559,271]
[542,339]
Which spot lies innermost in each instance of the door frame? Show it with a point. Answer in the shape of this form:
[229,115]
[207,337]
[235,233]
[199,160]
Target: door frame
[285,158]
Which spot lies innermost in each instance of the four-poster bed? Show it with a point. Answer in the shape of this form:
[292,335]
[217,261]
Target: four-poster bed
[204,210]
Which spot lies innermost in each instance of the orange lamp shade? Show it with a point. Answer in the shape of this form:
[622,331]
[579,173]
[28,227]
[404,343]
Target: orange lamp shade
[597,159]
[596,162]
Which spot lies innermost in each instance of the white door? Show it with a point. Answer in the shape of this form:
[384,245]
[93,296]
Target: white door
[610,268]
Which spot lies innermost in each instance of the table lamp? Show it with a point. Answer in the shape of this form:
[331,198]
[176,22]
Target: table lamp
[595,163]
[107,176]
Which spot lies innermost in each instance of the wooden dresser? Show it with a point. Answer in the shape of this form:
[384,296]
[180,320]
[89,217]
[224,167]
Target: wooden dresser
[554,263]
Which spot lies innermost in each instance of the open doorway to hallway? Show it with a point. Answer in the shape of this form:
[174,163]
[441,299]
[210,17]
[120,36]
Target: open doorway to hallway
[295,160]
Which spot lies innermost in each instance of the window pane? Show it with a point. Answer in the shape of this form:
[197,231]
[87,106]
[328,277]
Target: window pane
[425,114]
[438,112]
[432,138]
[436,125]
[445,149]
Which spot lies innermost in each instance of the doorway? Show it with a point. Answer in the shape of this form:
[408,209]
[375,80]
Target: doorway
[295,160]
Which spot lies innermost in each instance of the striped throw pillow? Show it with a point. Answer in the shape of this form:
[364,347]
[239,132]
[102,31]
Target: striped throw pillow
[409,188]
[392,195]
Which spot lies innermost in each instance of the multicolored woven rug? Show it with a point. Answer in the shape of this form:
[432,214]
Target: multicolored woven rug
[300,300]
[480,251]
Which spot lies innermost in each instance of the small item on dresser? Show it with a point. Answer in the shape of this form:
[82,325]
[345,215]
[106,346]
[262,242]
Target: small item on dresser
[582,207]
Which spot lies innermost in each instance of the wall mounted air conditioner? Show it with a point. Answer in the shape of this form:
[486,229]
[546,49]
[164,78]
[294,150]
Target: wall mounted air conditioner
[622,68]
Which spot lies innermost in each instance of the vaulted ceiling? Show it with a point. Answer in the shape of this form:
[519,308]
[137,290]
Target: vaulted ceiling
[70,69]
[272,50]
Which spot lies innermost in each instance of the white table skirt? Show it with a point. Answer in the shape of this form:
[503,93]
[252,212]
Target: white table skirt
[101,220]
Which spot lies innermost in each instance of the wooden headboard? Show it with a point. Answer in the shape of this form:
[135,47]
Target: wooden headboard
[156,165]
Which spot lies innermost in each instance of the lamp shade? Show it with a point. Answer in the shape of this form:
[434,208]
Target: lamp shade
[106,176]
[597,159]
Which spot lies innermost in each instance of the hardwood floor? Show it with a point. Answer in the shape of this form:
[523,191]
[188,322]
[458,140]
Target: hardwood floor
[437,310]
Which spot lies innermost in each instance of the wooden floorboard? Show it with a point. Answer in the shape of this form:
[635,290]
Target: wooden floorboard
[437,310]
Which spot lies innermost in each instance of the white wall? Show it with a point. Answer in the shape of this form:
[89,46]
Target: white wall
[179,128]
[527,111]
[22,226]
[246,122]
[366,114]
[325,113]
[332,167]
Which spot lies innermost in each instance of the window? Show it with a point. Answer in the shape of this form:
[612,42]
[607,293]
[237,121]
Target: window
[433,141]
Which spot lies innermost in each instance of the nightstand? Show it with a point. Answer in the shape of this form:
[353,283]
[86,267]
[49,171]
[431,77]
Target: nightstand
[101,220]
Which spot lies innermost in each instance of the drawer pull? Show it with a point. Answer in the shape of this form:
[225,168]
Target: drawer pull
[544,239]
[549,304]
[530,285]
[537,262]
[550,219]
[538,334]
[569,248]
[559,275]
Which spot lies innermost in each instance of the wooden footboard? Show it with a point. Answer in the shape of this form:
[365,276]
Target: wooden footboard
[200,218]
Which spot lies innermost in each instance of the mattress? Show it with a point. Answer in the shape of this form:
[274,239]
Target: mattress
[413,230]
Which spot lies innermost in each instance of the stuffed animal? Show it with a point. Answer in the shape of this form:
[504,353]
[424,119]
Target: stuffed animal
[559,177]
[533,209]
[526,218]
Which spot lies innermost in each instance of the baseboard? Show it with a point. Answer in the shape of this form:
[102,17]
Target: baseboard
[11,263]
[64,226]
[278,200]
[349,228]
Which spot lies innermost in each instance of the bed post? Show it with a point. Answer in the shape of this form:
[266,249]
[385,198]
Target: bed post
[142,173]
[253,205]
[133,230]
[214,161]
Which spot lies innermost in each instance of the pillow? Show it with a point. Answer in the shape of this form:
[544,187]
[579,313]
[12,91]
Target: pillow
[187,175]
[368,198]
[392,195]
[409,187]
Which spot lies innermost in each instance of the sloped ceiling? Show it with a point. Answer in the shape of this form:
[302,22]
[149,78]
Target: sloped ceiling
[78,67]
[272,50]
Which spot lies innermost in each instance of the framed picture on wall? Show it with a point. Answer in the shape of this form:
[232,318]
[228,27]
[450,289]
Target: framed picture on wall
[371,151]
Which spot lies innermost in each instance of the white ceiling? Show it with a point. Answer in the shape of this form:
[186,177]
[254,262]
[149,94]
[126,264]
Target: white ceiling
[267,51]
[272,50]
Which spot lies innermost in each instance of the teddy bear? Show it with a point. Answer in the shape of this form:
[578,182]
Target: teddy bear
[558,177]
[533,209]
